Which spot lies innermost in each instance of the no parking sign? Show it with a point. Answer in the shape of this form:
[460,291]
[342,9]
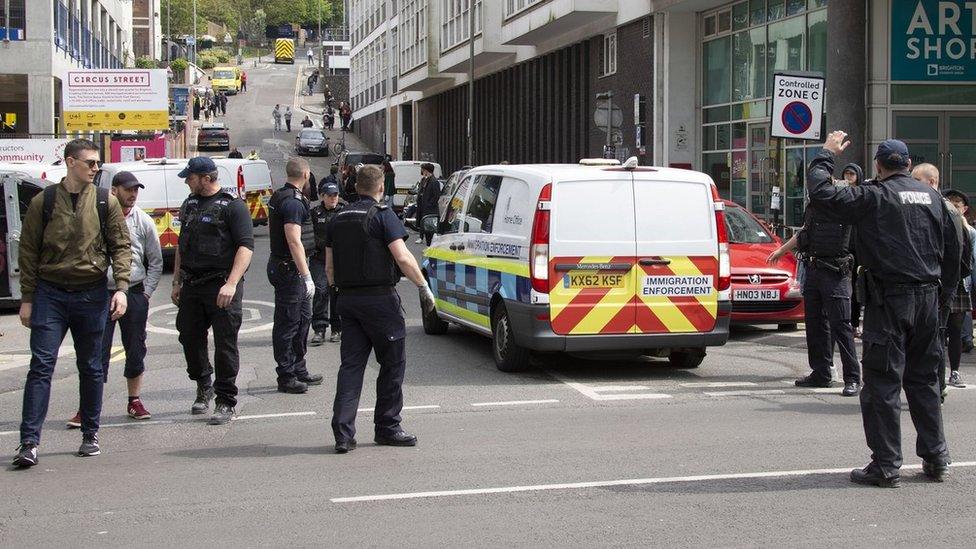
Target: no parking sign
[798,101]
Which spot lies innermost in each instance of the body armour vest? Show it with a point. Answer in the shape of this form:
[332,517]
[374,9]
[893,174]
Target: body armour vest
[206,246]
[320,220]
[276,227]
[824,238]
[360,260]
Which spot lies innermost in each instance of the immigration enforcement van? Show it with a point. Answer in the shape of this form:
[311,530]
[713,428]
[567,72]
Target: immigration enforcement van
[582,259]
[165,191]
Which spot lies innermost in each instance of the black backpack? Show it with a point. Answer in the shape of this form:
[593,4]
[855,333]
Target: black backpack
[101,204]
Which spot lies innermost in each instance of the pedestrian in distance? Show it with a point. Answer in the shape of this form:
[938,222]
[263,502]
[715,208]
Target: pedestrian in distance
[951,313]
[324,311]
[910,254]
[311,56]
[288,119]
[196,105]
[307,122]
[427,198]
[329,119]
[145,271]
[223,103]
[345,114]
[824,245]
[349,193]
[243,81]
[366,265]
[253,155]
[234,153]
[292,242]
[310,82]
[389,182]
[962,305]
[276,116]
[215,247]
[72,233]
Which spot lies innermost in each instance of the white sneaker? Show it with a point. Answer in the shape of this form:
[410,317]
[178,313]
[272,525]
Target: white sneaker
[419,240]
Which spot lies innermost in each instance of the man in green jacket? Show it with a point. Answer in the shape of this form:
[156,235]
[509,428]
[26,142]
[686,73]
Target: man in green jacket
[65,250]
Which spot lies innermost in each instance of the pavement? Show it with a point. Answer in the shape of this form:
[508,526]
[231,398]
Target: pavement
[574,453]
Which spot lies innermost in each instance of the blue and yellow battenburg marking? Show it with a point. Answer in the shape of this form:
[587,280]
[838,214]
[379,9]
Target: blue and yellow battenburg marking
[463,285]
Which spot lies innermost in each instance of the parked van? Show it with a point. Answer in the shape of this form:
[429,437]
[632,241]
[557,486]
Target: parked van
[165,191]
[226,78]
[407,178]
[51,172]
[583,259]
[19,188]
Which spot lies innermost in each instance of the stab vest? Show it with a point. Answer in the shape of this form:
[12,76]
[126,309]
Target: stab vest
[823,238]
[276,227]
[206,245]
[360,260]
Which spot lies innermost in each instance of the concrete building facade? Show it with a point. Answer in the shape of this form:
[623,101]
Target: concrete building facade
[147,34]
[57,35]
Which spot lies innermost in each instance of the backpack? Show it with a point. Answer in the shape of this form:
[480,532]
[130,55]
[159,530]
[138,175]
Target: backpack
[101,204]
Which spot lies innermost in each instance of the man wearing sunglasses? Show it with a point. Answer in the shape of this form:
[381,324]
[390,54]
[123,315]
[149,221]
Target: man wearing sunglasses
[71,235]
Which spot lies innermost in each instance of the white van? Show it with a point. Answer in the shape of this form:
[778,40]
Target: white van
[407,176]
[583,258]
[51,172]
[165,191]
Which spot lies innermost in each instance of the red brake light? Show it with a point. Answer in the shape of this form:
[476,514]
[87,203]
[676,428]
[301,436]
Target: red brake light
[240,182]
[724,281]
[539,248]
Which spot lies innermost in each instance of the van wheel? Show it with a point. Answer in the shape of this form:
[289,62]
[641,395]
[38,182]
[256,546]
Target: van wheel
[433,324]
[691,358]
[509,356]
[791,327]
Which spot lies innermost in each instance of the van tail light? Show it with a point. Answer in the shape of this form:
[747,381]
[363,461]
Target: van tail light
[724,261]
[539,248]
[240,183]
[43,175]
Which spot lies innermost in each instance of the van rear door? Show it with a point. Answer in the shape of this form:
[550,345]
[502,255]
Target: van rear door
[591,255]
[677,256]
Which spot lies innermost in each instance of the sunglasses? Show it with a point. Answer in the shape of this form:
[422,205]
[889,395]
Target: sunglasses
[92,164]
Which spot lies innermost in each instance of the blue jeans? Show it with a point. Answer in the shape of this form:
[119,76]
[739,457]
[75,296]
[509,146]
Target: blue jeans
[54,312]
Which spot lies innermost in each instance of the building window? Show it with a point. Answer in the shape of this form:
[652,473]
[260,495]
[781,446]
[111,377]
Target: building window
[514,7]
[609,54]
[413,34]
[455,25]
[18,21]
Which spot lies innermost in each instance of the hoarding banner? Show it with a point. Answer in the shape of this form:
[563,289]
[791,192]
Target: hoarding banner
[933,40]
[115,100]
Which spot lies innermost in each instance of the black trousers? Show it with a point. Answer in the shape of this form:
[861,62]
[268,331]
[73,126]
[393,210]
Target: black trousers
[953,345]
[133,328]
[198,313]
[370,323]
[827,305]
[902,350]
[324,312]
[292,317]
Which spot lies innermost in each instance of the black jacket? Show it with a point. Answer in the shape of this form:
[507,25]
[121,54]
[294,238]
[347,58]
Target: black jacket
[430,193]
[905,233]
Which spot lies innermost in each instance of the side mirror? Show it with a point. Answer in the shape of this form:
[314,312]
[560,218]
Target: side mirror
[429,224]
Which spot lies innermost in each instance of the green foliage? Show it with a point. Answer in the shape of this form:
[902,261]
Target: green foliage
[146,62]
[222,55]
[206,61]
[179,65]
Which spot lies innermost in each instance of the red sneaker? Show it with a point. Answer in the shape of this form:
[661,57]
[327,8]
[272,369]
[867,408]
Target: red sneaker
[75,422]
[138,411]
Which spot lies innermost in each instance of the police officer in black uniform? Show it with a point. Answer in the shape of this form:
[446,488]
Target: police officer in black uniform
[215,247]
[824,245]
[323,303]
[908,247]
[365,256]
[292,241]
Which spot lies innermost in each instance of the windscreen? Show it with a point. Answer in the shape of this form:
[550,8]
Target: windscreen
[354,159]
[223,75]
[743,228]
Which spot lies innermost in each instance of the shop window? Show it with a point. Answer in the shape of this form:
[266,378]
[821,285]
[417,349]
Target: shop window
[749,64]
[710,25]
[757,11]
[725,21]
[609,54]
[817,41]
[18,20]
[794,7]
[776,10]
[786,50]
[740,16]
[922,94]
[716,114]
[814,4]
[716,165]
[717,67]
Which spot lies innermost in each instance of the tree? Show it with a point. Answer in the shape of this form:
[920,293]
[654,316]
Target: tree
[282,13]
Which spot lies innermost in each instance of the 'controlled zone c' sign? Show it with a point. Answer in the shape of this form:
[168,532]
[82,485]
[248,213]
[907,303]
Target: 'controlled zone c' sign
[798,106]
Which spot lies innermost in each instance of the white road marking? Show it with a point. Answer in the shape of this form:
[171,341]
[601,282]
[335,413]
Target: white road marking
[284,414]
[716,384]
[157,330]
[515,402]
[422,407]
[608,388]
[759,392]
[637,396]
[609,483]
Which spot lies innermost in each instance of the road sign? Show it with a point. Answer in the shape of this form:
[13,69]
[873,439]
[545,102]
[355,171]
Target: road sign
[600,117]
[798,104]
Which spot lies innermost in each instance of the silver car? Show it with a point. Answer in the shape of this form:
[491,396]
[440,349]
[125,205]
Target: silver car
[312,141]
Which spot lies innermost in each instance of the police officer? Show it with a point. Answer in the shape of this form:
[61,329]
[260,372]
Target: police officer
[365,255]
[824,244]
[215,247]
[325,296]
[908,247]
[292,241]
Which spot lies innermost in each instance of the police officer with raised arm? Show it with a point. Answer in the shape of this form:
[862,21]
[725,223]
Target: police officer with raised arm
[908,247]
[214,252]
[292,241]
[365,256]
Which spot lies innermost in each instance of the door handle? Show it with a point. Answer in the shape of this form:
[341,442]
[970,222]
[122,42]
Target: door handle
[654,261]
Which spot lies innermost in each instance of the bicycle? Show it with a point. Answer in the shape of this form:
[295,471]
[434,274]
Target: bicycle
[340,147]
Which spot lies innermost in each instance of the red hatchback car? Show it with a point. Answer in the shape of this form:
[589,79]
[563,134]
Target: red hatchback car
[761,293]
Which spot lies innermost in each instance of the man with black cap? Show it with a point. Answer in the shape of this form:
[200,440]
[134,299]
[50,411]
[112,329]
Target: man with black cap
[214,252]
[324,312]
[908,248]
[292,241]
[147,268]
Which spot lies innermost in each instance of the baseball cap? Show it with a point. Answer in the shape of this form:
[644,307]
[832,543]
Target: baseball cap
[198,165]
[328,187]
[952,193]
[126,180]
[893,147]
